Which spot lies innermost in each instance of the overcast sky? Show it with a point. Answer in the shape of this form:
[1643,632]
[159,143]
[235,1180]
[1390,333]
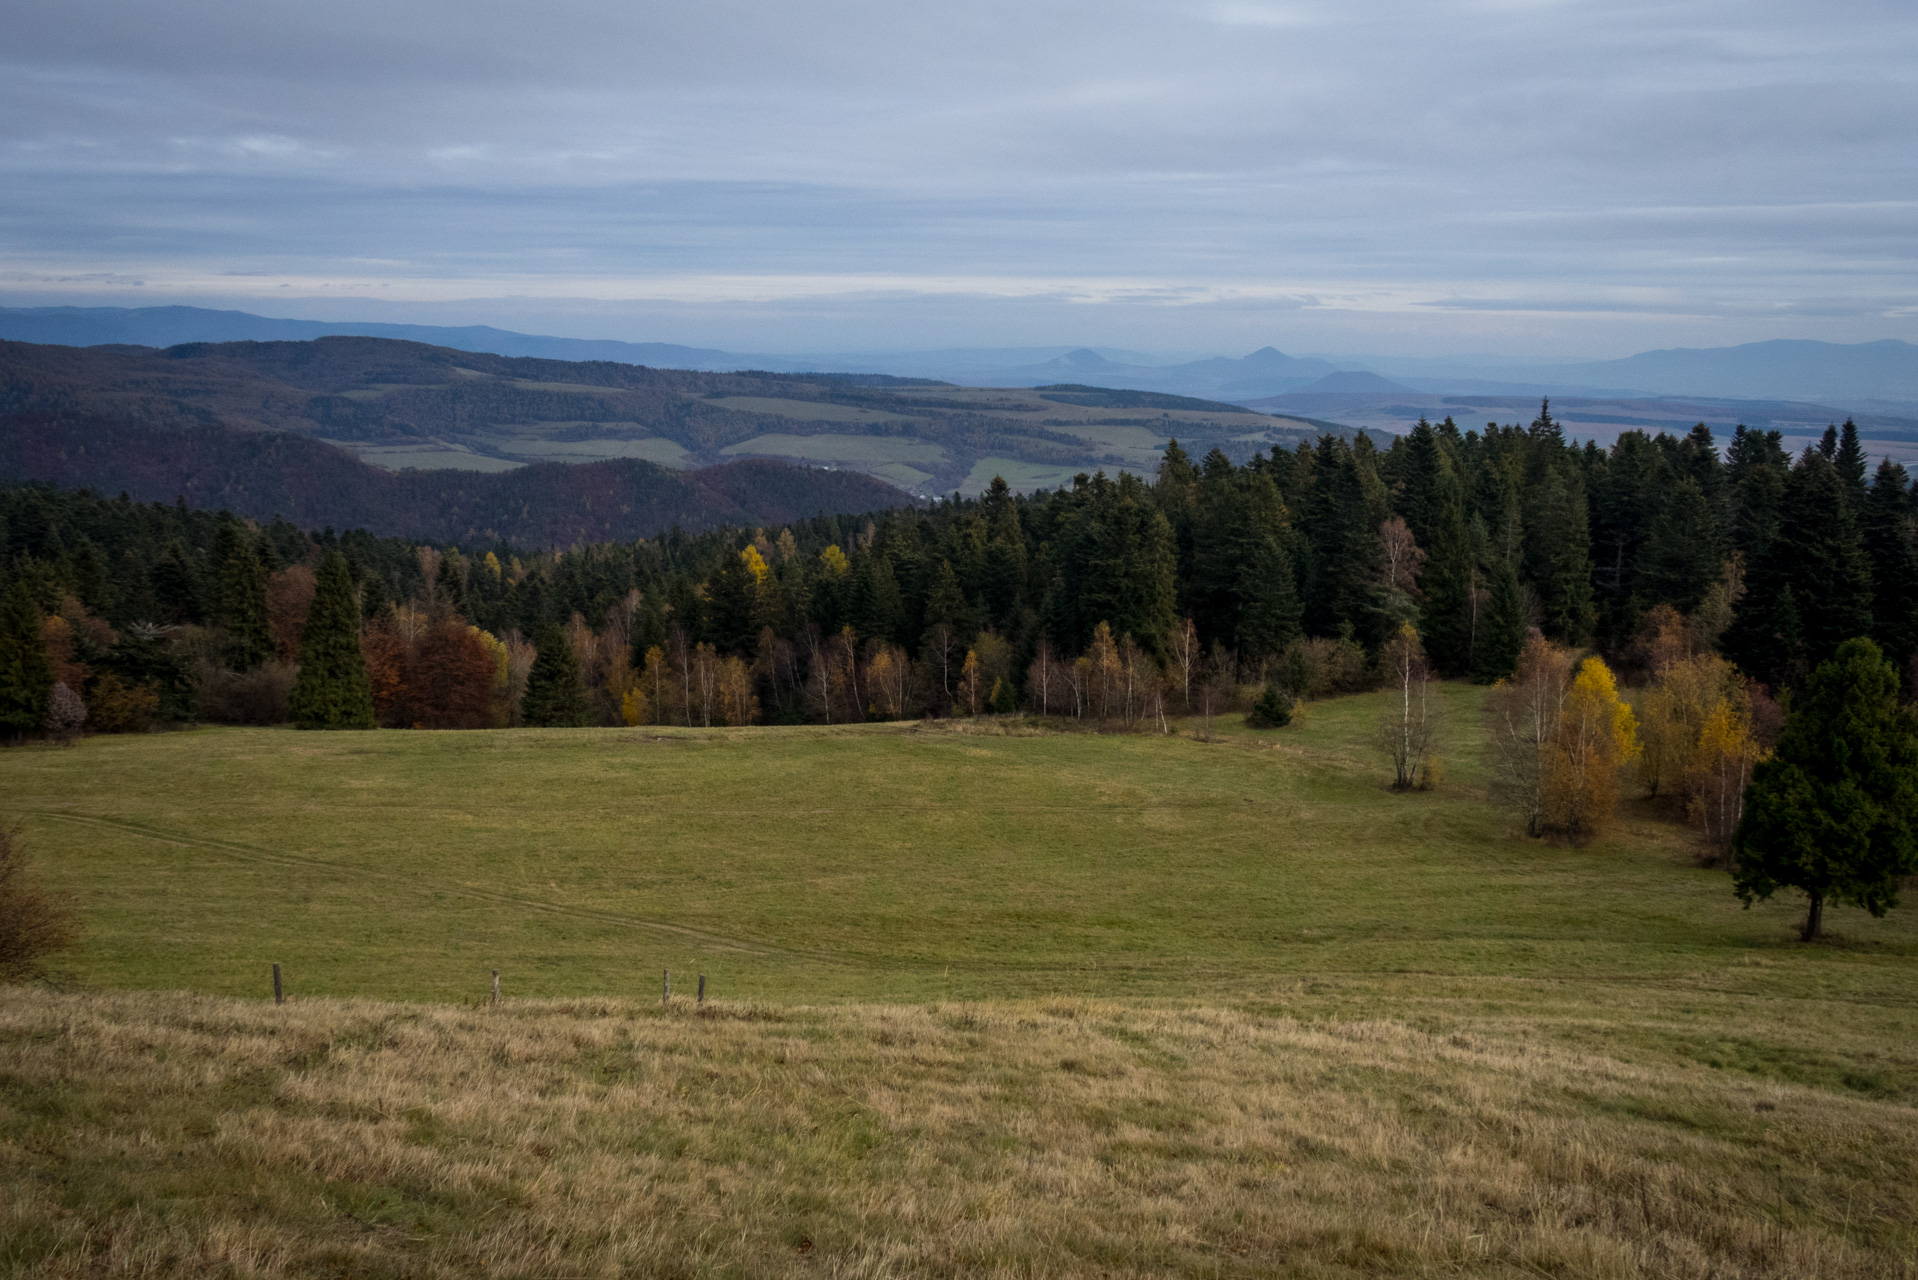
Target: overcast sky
[1517,176]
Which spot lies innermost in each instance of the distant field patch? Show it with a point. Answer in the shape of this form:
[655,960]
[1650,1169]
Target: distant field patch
[806,410]
[424,457]
[1024,477]
[860,451]
[665,452]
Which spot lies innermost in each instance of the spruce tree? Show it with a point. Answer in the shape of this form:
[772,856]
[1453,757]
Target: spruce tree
[240,596]
[1833,812]
[332,691]
[554,696]
[26,672]
[1824,559]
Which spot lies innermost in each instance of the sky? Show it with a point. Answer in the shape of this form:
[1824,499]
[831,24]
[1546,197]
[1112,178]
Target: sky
[1543,178]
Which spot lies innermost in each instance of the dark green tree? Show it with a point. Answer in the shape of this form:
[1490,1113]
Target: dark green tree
[331,691]
[1890,549]
[1852,465]
[1833,812]
[1684,552]
[449,583]
[240,596]
[1269,602]
[26,672]
[554,695]
[1501,630]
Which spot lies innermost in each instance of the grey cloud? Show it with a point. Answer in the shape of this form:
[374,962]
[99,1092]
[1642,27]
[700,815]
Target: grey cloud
[1740,154]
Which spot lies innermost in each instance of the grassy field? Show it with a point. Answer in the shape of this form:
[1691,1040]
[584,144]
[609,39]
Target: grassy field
[986,1001]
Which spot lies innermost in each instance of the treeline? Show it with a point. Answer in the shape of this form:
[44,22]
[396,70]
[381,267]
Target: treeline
[1115,598]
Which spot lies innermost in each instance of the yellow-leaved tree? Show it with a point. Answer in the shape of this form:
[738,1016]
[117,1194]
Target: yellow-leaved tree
[1596,736]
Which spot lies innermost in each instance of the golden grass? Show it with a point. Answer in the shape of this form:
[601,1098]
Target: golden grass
[170,1135]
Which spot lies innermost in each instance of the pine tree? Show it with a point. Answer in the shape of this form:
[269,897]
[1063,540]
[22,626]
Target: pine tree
[1448,583]
[1833,812]
[554,696]
[26,671]
[240,596]
[332,691]
[1558,557]
[1824,559]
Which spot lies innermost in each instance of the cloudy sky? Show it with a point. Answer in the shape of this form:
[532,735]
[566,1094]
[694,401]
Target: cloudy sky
[1532,177]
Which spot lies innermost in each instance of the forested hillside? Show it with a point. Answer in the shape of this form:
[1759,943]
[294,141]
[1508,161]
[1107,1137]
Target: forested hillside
[1292,568]
[403,404]
[275,474]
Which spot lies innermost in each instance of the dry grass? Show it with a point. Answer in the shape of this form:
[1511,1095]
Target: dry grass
[159,1135]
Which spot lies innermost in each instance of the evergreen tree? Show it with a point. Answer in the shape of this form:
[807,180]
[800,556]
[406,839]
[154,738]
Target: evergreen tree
[1269,613]
[332,691]
[449,583]
[26,671]
[554,696]
[240,596]
[1449,582]
[1833,812]
[729,606]
[1849,458]
[1894,564]
[1501,635]
[1558,559]
[1823,559]
[1684,552]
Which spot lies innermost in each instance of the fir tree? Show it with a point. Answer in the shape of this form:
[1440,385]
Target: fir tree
[1894,564]
[449,583]
[1501,635]
[240,596]
[1822,557]
[1833,812]
[332,691]
[554,696]
[26,671]
[1683,554]
[1849,458]
[1269,610]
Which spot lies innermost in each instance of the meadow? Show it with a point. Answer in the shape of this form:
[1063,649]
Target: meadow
[984,999]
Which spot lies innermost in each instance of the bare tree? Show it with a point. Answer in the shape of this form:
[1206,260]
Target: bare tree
[1524,713]
[1187,658]
[1409,725]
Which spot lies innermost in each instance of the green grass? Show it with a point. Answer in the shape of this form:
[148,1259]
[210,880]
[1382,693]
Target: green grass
[987,1000]
[907,862]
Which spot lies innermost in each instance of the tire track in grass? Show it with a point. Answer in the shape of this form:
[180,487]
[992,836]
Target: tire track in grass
[248,853]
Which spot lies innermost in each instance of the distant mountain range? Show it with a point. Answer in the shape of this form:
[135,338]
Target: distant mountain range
[1871,377]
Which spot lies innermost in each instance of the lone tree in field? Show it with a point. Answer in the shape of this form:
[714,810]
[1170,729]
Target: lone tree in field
[554,698]
[332,691]
[26,672]
[1834,812]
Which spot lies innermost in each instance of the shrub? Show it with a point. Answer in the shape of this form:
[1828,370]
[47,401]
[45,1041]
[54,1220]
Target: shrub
[1272,709]
[31,924]
[116,706]
[65,714]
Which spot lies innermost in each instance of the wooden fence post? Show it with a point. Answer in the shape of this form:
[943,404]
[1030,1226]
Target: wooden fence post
[279,995]
[496,986]
[666,987]
[702,990]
